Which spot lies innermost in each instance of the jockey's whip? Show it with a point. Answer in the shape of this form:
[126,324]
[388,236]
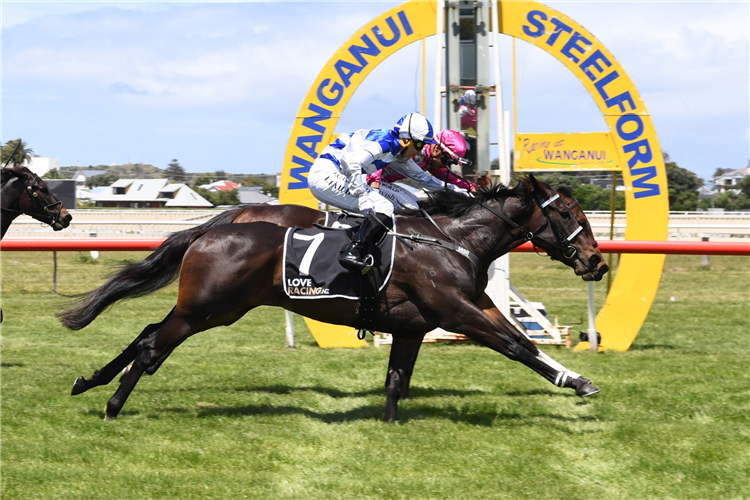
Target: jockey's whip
[12,154]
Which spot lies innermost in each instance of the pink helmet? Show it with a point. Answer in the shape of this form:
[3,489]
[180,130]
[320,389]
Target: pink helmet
[453,140]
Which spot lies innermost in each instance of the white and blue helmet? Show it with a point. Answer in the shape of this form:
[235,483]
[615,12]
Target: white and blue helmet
[415,127]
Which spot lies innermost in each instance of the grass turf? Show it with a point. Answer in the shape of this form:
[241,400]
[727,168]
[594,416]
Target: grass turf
[234,414]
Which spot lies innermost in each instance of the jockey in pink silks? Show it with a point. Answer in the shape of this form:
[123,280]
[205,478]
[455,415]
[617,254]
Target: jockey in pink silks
[433,159]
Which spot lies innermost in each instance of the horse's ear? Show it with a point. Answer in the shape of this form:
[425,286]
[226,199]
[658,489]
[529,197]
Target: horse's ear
[534,182]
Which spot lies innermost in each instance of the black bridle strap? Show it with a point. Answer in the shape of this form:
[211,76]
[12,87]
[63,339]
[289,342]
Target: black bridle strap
[568,251]
[529,235]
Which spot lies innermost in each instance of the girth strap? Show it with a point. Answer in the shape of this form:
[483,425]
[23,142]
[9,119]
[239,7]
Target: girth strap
[369,303]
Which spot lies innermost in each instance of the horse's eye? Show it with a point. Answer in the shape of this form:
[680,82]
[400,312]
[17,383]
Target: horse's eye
[565,214]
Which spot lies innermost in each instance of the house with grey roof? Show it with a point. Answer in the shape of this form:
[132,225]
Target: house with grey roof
[251,195]
[149,193]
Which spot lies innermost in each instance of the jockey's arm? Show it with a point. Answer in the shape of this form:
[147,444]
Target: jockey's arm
[412,171]
[441,173]
[356,159]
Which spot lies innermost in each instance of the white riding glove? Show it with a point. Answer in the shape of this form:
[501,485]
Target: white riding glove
[457,189]
[365,204]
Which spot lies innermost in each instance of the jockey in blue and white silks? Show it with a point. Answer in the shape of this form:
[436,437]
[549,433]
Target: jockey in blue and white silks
[338,176]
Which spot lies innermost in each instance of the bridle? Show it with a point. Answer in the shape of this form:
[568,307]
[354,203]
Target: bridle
[49,209]
[564,245]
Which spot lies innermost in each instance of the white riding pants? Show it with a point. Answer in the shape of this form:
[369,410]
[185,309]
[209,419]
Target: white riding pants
[399,196]
[329,185]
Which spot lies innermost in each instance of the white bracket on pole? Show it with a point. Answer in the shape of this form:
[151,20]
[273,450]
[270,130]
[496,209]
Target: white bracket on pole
[533,313]
[593,337]
[438,119]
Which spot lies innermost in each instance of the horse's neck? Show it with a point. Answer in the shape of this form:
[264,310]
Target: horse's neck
[485,234]
[5,220]
[8,200]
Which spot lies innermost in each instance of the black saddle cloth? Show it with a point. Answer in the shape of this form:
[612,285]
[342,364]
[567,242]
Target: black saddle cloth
[311,262]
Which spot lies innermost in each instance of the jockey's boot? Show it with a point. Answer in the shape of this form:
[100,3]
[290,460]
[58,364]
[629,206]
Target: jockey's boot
[355,255]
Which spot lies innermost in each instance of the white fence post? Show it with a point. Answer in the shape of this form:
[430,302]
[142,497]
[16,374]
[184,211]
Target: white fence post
[289,329]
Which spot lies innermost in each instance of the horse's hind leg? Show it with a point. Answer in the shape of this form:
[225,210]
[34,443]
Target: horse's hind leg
[154,344]
[105,375]
[400,365]
[116,402]
[154,348]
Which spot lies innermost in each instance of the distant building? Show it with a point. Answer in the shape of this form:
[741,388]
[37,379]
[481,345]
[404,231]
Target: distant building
[221,186]
[253,196]
[727,180]
[704,192]
[41,165]
[81,176]
[149,193]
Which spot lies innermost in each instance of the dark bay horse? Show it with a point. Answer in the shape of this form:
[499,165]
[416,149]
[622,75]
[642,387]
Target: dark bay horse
[228,270]
[23,192]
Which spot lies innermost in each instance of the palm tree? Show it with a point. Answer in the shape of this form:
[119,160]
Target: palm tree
[22,154]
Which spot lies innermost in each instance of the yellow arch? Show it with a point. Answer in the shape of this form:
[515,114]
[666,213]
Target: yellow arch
[647,205]
[645,179]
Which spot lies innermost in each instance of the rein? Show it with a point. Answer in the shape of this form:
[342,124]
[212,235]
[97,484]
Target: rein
[568,251]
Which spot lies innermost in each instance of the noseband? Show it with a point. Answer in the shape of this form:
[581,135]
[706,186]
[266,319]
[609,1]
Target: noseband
[564,245]
[48,209]
[568,251]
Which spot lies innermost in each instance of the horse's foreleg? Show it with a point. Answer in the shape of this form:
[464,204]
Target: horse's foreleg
[400,365]
[518,347]
[406,383]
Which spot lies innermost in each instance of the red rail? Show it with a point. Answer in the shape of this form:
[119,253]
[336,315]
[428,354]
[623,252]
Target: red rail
[606,246]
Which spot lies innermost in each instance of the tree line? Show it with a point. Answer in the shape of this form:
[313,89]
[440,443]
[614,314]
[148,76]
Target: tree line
[683,184]
[683,188]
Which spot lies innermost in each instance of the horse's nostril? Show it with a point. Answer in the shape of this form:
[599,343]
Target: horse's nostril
[594,260]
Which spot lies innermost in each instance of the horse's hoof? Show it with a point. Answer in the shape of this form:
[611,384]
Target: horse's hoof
[110,413]
[585,388]
[79,386]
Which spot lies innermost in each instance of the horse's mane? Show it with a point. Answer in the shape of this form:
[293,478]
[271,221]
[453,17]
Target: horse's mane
[453,204]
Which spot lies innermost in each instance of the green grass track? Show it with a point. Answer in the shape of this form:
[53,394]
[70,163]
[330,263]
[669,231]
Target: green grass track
[234,414]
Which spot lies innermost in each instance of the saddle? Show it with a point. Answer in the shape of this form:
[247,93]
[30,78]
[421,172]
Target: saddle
[312,269]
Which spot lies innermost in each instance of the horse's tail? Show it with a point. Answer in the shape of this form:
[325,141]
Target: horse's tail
[140,278]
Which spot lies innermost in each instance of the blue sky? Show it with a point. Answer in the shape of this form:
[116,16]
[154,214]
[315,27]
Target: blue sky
[217,85]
